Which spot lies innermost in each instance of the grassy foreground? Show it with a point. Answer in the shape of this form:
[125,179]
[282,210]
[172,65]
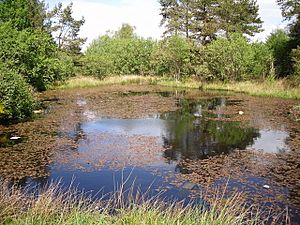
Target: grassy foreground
[274,88]
[54,206]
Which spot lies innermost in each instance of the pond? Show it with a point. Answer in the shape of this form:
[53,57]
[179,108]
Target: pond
[173,143]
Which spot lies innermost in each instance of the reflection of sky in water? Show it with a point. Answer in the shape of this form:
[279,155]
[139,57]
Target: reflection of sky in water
[271,141]
[146,127]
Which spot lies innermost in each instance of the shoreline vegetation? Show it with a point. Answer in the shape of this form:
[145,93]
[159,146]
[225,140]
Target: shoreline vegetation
[267,88]
[53,205]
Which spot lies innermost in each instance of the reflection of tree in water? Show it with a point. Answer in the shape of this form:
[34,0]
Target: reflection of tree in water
[199,138]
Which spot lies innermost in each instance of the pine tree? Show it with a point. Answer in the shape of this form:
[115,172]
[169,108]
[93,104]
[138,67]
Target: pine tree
[171,16]
[202,20]
[238,16]
[204,24]
[291,12]
[66,29]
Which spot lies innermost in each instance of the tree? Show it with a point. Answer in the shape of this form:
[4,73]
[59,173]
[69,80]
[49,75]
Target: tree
[119,52]
[171,16]
[204,25]
[22,14]
[172,56]
[66,29]
[291,12]
[125,32]
[203,20]
[234,58]
[240,16]
[278,43]
[16,101]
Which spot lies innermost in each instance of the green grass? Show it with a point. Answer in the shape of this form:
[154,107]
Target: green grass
[275,88]
[86,82]
[54,206]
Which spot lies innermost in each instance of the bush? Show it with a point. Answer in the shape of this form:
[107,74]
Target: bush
[33,54]
[121,53]
[227,58]
[295,77]
[278,43]
[261,64]
[16,99]
[173,56]
[236,59]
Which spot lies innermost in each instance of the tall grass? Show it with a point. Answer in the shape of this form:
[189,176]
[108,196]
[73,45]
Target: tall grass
[56,206]
[274,88]
[85,82]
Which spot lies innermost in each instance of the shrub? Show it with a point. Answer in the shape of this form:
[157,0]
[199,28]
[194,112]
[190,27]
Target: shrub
[278,43]
[227,58]
[236,59]
[172,55]
[295,78]
[121,53]
[16,99]
[261,63]
[33,54]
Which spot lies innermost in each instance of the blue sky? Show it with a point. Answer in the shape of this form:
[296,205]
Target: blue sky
[103,15]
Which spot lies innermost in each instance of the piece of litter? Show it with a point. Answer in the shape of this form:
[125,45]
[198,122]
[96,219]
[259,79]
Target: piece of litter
[241,112]
[15,138]
[38,111]
[266,186]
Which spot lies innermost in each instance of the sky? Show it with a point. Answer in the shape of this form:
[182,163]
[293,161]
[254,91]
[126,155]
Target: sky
[104,15]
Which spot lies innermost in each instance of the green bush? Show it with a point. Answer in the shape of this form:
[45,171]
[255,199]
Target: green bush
[295,77]
[261,64]
[227,58]
[121,53]
[173,56]
[278,43]
[236,59]
[33,54]
[16,98]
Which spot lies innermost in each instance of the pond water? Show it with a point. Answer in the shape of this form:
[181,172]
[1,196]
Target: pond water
[152,150]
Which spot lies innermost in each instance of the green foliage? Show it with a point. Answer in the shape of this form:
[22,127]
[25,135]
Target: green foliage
[203,20]
[172,56]
[278,42]
[123,53]
[227,58]
[33,54]
[16,99]
[239,16]
[23,14]
[295,78]
[236,59]
[65,29]
[261,62]
[291,11]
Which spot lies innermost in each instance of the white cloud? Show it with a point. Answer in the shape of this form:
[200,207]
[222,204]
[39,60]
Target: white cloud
[270,13]
[103,15]
[100,17]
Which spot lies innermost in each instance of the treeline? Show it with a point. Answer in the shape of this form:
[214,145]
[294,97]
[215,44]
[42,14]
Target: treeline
[38,47]
[208,40]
